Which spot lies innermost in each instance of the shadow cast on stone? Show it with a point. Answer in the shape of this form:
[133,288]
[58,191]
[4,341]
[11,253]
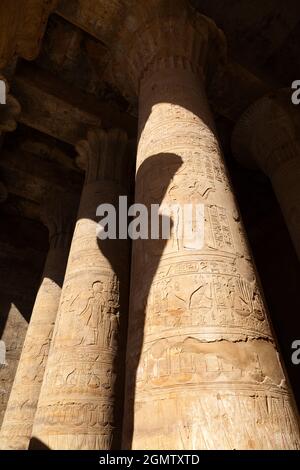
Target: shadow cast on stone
[120,266]
[36,444]
[159,168]
[164,165]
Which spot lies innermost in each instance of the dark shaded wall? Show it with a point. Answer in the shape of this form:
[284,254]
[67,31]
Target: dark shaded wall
[23,246]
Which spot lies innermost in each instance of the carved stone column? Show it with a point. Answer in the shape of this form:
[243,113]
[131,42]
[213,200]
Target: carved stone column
[8,115]
[203,369]
[266,136]
[80,404]
[58,215]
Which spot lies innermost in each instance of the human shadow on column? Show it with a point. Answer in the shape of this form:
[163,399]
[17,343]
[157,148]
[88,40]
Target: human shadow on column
[36,444]
[159,168]
[118,321]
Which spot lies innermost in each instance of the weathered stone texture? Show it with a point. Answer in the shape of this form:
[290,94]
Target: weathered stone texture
[21,263]
[58,215]
[80,405]
[202,361]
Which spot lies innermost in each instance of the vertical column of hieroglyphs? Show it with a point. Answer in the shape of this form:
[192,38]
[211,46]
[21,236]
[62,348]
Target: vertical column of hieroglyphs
[203,370]
[266,135]
[58,215]
[80,403]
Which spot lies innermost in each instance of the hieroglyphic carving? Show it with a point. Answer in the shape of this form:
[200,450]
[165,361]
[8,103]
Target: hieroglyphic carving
[201,356]
[58,214]
[194,361]
[220,229]
[80,404]
[97,314]
[205,299]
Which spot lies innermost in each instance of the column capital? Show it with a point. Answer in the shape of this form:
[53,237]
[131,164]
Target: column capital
[58,214]
[164,34]
[104,156]
[265,136]
[22,26]
[9,111]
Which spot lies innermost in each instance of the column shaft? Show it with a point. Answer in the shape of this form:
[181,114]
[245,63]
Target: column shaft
[18,419]
[203,370]
[80,405]
[266,137]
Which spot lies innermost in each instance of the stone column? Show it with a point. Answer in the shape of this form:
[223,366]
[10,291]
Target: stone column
[80,404]
[58,215]
[266,136]
[203,369]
